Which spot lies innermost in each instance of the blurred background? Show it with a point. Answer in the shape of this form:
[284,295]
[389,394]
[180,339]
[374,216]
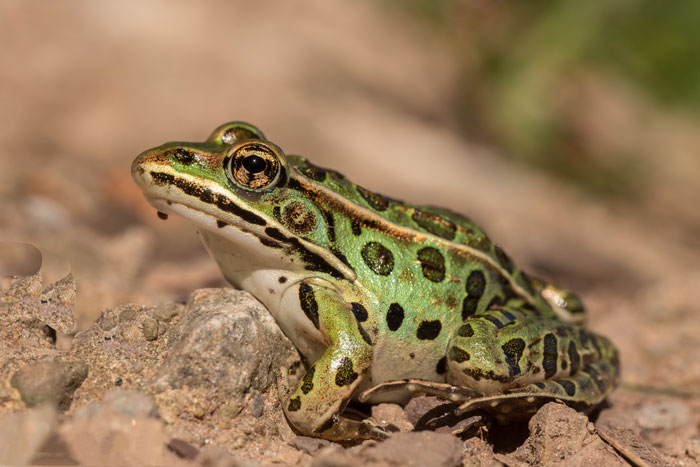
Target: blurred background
[568,129]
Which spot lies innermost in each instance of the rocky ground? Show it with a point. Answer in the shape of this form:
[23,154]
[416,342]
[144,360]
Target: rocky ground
[129,349]
[196,384]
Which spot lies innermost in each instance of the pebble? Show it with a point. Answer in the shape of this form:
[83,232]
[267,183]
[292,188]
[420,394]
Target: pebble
[50,381]
[257,408]
[416,448]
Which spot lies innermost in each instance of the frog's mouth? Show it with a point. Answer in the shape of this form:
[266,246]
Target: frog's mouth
[211,208]
[207,206]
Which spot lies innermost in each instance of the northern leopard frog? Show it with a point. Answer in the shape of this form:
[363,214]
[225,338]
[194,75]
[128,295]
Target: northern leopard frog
[381,297]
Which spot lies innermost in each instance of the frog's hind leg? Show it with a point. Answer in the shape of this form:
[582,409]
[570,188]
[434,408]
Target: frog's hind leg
[521,358]
[583,391]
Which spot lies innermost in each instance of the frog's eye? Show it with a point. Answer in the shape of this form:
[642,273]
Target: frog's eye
[233,132]
[253,165]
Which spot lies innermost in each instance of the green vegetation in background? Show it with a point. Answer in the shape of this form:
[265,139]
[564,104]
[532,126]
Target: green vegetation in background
[656,44]
[522,58]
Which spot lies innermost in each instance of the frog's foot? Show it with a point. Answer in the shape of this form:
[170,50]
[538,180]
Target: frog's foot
[443,415]
[417,386]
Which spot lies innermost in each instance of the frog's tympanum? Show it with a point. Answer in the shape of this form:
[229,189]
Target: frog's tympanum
[382,298]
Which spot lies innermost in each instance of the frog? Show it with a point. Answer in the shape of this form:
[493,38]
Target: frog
[383,299]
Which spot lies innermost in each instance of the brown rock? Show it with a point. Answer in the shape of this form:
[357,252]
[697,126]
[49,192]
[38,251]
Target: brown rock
[478,454]
[391,414]
[335,456]
[214,456]
[49,381]
[417,448]
[417,407]
[561,436]
[109,439]
[310,445]
[182,448]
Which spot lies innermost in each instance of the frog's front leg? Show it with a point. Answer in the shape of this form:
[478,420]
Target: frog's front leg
[314,407]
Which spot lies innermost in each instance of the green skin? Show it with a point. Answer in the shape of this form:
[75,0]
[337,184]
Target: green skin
[382,297]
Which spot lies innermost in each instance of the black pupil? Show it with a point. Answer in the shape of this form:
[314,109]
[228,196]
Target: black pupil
[254,164]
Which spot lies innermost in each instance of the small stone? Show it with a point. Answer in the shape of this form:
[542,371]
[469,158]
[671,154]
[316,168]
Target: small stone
[130,314]
[417,448]
[49,381]
[132,403]
[105,438]
[149,327]
[183,449]
[335,456]
[216,456]
[107,321]
[417,407]
[167,312]
[477,453]
[391,414]
[309,445]
[257,408]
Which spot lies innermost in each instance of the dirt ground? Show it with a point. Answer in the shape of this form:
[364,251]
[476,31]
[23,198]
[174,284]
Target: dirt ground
[86,86]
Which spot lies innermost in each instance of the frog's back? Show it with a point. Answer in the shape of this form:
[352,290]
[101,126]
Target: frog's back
[405,223]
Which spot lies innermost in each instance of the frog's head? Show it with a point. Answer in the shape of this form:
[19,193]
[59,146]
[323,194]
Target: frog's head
[246,197]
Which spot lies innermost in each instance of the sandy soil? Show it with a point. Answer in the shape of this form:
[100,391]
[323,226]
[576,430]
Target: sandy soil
[86,86]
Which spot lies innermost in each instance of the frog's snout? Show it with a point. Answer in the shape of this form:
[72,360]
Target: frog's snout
[137,169]
[143,164]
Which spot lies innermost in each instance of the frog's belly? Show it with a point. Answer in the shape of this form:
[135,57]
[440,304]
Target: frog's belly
[392,362]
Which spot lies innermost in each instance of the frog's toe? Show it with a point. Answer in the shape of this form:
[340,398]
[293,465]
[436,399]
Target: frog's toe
[417,386]
[344,429]
[376,432]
